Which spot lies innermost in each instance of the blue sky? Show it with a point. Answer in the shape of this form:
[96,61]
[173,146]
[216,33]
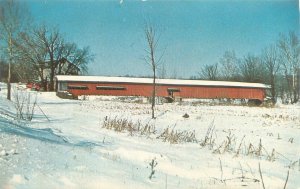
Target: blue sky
[193,33]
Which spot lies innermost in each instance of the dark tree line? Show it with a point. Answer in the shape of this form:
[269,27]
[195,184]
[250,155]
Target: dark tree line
[35,52]
[278,65]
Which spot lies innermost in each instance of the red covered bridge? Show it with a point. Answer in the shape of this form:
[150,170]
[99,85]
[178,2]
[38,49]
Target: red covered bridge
[170,88]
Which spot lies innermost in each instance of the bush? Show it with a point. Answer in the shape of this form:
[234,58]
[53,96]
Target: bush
[25,103]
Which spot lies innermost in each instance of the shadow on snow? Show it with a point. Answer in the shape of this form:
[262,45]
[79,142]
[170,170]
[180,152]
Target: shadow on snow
[44,135]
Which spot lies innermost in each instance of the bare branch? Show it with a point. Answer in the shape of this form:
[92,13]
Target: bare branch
[262,180]
[287,178]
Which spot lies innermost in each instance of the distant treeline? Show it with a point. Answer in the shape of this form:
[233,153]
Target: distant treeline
[278,65]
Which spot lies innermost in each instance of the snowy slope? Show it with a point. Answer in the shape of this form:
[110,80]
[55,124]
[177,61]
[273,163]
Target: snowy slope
[82,154]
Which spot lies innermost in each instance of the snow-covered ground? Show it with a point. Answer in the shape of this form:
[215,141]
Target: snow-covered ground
[66,146]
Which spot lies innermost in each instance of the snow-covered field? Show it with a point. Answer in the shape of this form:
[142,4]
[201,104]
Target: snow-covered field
[73,150]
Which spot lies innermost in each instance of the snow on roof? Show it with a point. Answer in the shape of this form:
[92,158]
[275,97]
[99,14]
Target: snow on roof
[158,81]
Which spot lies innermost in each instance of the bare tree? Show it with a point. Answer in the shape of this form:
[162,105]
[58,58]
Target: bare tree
[289,46]
[229,66]
[52,41]
[33,54]
[163,71]
[209,72]
[251,69]
[152,39]
[57,49]
[13,17]
[270,60]
[78,57]
[46,49]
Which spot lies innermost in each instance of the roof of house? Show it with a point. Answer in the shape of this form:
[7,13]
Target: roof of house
[158,81]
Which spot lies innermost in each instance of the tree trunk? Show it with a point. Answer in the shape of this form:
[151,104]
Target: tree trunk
[295,100]
[273,90]
[52,79]
[52,72]
[289,87]
[9,68]
[8,88]
[153,94]
[8,83]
